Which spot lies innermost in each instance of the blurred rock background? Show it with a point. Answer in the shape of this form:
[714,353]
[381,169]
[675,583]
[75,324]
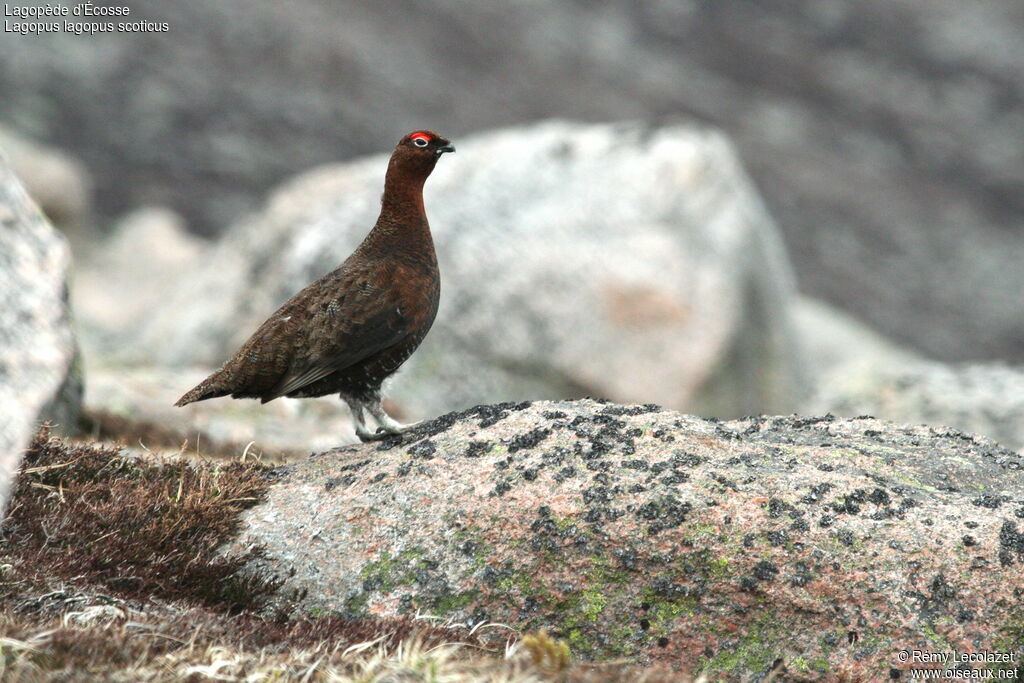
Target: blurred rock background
[883,140]
[553,285]
[40,371]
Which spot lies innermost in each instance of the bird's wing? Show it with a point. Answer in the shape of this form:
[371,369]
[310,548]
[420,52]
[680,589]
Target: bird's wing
[352,314]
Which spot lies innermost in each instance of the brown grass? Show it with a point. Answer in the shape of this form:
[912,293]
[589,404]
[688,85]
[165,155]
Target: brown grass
[138,528]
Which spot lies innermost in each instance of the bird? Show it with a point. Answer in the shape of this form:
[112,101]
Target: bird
[353,328]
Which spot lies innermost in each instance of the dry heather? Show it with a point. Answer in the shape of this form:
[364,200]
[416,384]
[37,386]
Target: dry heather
[109,571]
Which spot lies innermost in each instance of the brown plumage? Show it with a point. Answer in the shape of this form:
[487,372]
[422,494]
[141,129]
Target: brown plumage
[351,329]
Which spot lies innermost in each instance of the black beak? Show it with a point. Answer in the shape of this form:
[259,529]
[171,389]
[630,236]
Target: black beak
[449,147]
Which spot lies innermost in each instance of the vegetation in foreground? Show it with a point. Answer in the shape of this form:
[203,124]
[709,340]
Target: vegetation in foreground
[109,570]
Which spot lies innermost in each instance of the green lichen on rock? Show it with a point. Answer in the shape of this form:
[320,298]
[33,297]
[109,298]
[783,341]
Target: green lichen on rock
[664,611]
[388,572]
[353,606]
[443,605]
[655,536]
[756,649]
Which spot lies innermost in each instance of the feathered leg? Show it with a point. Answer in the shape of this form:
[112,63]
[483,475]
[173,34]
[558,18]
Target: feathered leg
[357,406]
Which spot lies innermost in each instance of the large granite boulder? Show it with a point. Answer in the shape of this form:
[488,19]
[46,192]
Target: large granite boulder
[984,398]
[839,345]
[831,544]
[612,260]
[39,371]
[860,372]
[883,134]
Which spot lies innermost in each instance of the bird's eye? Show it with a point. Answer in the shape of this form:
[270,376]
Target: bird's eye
[419,142]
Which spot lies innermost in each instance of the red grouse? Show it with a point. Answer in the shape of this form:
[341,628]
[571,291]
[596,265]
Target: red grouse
[351,329]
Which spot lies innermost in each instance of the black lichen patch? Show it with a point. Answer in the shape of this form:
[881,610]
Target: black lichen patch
[555,535]
[566,473]
[635,464]
[630,410]
[352,467]
[663,434]
[765,571]
[801,575]
[805,422]
[423,449]
[488,414]
[1011,543]
[777,507]
[663,514]
[683,459]
[528,440]
[989,501]
[475,449]
[879,497]
[941,596]
[846,537]
[335,482]
[816,493]
[849,504]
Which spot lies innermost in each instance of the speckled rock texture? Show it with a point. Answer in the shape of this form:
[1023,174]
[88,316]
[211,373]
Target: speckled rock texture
[624,261]
[655,536]
[39,373]
[984,398]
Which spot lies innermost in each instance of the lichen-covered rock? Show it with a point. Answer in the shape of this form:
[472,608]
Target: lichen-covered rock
[39,370]
[634,532]
[612,260]
[985,398]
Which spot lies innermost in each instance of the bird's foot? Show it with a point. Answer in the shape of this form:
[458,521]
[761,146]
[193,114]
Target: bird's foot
[388,424]
[393,427]
[365,434]
[390,428]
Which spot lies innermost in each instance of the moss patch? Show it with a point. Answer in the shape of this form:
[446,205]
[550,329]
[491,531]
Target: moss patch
[755,650]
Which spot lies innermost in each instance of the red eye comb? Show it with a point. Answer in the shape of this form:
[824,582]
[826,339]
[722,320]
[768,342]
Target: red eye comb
[420,136]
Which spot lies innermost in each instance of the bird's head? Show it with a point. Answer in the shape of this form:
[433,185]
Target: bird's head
[418,151]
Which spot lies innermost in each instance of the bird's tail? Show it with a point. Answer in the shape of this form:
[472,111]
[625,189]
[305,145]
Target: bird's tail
[211,387]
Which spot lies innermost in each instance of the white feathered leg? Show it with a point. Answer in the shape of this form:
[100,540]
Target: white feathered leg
[388,425]
[358,420]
